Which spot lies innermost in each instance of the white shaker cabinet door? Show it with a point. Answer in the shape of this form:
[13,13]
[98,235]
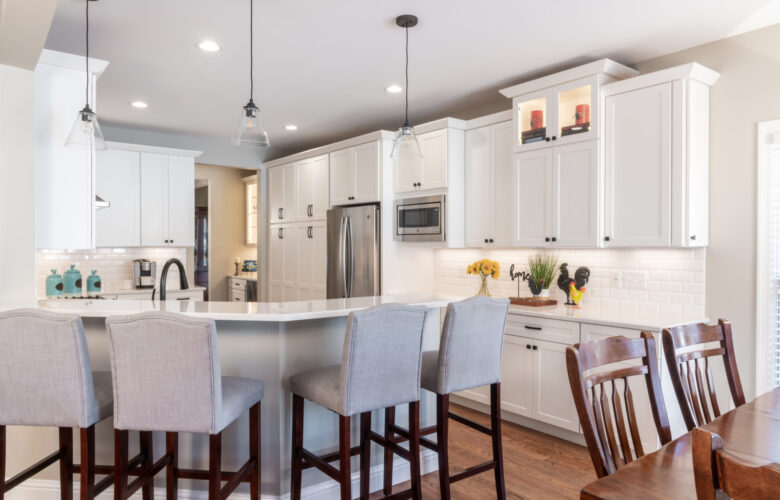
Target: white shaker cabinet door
[154,199]
[504,190]
[304,199]
[305,262]
[366,173]
[407,172]
[289,263]
[181,201]
[290,193]
[533,171]
[554,403]
[275,193]
[342,180]
[319,248]
[479,199]
[117,181]
[434,162]
[638,159]
[575,197]
[275,264]
[320,181]
[517,376]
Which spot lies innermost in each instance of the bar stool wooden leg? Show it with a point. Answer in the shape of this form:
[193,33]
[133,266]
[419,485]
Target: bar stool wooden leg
[120,464]
[87,473]
[297,447]
[254,452]
[365,454]
[442,436]
[215,466]
[147,448]
[2,461]
[345,472]
[414,449]
[388,464]
[495,427]
[171,481]
[66,463]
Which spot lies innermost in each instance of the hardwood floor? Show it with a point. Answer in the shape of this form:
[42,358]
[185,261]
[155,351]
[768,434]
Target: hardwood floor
[536,465]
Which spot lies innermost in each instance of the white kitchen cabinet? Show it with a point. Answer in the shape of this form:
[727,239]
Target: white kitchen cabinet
[430,172]
[553,402]
[64,175]
[490,186]
[276,263]
[656,155]
[517,376]
[167,200]
[117,180]
[312,198]
[297,261]
[283,193]
[354,175]
[312,260]
[275,193]
[533,171]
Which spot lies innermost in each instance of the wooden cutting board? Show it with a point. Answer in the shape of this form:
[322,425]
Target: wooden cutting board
[532,301]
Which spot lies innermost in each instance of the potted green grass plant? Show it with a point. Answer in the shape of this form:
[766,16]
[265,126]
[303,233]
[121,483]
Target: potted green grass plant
[542,268]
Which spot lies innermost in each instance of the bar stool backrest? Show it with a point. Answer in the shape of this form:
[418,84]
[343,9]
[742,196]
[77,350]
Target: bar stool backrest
[471,343]
[45,374]
[382,357]
[166,373]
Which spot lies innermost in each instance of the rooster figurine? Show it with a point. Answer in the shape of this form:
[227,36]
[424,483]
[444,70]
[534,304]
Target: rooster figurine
[573,288]
[575,295]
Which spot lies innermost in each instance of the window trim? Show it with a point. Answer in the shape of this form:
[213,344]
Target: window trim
[768,134]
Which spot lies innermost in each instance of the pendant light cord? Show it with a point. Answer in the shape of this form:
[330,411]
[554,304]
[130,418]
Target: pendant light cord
[406,112]
[251,51]
[87,58]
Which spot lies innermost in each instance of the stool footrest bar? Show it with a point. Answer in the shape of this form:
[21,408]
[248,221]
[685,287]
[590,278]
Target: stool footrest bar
[380,440]
[473,471]
[332,457]
[242,476]
[148,475]
[33,470]
[320,464]
[468,423]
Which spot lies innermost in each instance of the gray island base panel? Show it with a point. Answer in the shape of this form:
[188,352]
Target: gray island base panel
[271,343]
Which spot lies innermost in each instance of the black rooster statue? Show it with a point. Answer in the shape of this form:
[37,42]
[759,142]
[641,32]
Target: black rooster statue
[581,277]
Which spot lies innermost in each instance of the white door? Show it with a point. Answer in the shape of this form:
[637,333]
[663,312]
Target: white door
[434,163]
[479,198]
[504,185]
[366,172]
[290,193]
[181,201]
[154,200]
[319,251]
[275,264]
[554,403]
[342,179]
[118,178]
[533,174]
[289,263]
[517,376]
[638,167]
[305,196]
[575,195]
[305,265]
[319,200]
[275,193]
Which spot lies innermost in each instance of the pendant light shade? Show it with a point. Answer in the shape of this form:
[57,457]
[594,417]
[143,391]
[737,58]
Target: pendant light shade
[406,146]
[85,132]
[251,132]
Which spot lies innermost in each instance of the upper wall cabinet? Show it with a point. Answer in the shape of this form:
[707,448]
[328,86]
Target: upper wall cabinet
[354,175]
[64,175]
[561,108]
[434,169]
[298,191]
[656,152]
[118,180]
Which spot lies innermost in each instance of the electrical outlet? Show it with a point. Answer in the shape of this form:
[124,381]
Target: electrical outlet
[616,279]
[636,280]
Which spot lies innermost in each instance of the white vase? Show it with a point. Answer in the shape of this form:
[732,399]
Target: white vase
[545,294]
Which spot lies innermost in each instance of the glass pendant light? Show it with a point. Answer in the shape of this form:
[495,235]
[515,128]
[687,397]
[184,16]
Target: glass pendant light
[251,132]
[406,145]
[85,132]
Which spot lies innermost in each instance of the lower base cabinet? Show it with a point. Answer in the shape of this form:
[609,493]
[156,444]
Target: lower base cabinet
[297,262]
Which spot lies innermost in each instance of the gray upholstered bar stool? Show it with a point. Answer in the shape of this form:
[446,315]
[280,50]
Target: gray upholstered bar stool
[469,356]
[46,380]
[167,378]
[380,368]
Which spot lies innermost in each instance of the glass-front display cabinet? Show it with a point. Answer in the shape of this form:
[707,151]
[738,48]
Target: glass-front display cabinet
[561,114]
[251,209]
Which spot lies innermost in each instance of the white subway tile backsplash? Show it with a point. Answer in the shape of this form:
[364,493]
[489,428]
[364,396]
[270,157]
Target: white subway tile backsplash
[674,278]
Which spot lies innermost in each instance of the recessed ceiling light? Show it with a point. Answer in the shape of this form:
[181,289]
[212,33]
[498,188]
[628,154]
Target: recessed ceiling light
[209,46]
[291,127]
[394,89]
[139,104]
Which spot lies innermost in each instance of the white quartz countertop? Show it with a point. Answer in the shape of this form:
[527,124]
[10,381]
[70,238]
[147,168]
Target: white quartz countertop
[621,318]
[233,311]
[148,291]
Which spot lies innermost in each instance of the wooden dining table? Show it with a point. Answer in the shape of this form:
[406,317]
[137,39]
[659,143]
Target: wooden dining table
[751,431]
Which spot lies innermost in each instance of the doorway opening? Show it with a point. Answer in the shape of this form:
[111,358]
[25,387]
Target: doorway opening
[202,230]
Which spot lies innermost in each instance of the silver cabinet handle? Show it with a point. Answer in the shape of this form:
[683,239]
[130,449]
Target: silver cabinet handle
[309,232]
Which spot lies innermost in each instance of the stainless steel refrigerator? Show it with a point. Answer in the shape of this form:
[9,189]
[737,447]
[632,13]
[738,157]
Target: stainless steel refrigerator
[353,251]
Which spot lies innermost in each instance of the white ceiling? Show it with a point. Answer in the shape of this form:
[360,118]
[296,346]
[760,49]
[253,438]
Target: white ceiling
[324,65]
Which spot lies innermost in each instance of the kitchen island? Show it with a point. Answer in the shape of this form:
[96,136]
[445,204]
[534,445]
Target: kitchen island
[265,341]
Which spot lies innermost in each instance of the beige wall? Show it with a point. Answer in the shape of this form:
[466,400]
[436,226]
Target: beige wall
[748,92]
[226,220]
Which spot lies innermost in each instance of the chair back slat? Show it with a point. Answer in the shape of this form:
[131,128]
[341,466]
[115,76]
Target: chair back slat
[608,419]
[717,471]
[683,348]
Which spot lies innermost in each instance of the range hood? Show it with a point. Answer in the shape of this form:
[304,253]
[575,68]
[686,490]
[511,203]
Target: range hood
[101,203]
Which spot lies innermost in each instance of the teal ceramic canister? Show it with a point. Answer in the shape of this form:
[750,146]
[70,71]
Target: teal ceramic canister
[54,284]
[72,280]
[93,282]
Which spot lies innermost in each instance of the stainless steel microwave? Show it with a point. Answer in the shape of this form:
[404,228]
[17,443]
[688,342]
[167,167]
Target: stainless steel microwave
[420,219]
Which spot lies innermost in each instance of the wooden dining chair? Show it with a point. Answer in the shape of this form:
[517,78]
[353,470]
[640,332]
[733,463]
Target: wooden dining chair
[716,470]
[686,357]
[598,400]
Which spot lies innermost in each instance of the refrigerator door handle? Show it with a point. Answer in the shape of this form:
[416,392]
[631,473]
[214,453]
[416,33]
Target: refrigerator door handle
[343,252]
[351,257]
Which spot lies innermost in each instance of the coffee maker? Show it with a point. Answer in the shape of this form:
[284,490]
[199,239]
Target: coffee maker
[144,273]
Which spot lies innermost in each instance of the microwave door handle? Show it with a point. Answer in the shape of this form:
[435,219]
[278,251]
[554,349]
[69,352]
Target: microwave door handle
[343,253]
[351,252]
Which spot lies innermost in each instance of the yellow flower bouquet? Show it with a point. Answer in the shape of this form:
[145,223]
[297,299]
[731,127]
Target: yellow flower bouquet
[484,268]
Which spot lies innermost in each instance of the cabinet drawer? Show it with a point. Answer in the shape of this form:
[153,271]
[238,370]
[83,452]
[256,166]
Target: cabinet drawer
[600,332]
[237,284]
[236,295]
[562,332]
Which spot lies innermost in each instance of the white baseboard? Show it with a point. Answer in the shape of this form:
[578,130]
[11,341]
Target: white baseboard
[49,489]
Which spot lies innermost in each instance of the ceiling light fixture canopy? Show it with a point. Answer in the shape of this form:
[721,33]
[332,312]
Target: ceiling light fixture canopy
[85,132]
[251,132]
[406,145]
